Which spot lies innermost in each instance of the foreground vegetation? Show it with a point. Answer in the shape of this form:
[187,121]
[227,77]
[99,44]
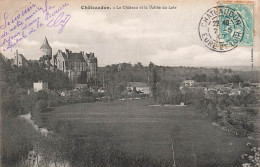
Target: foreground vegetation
[128,132]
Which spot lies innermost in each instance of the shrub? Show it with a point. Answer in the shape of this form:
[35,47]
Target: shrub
[88,99]
[17,139]
[252,158]
[41,105]
[252,111]
[54,102]
[42,95]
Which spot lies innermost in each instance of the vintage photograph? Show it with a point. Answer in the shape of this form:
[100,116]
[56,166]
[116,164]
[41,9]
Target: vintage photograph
[129,83]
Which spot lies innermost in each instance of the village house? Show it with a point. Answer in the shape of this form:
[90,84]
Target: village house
[255,85]
[71,63]
[81,86]
[139,86]
[189,82]
[40,85]
[235,92]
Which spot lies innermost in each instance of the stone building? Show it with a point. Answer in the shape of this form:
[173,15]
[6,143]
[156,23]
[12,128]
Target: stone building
[19,60]
[40,85]
[71,63]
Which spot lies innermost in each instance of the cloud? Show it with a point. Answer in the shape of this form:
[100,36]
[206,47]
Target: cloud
[57,44]
[152,35]
[132,22]
[96,21]
[195,55]
[132,28]
[29,43]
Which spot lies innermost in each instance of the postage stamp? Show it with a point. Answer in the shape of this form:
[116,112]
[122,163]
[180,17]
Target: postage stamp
[246,10]
[224,27]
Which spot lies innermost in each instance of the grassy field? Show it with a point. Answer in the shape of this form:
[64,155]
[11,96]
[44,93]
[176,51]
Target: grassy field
[137,129]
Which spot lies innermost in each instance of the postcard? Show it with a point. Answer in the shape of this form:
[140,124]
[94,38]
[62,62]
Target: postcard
[129,83]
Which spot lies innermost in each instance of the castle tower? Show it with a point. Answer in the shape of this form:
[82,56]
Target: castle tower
[46,49]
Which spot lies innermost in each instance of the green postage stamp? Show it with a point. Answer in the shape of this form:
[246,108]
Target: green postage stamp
[228,25]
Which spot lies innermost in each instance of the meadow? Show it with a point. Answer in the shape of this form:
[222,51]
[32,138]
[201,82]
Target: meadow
[143,135]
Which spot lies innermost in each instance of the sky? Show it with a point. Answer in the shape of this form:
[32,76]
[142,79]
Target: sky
[167,37]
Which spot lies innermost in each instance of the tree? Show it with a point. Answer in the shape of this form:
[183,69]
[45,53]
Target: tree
[82,79]
[200,78]
[139,65]
[155,80]
[42,95]
[216,71]
[151,66]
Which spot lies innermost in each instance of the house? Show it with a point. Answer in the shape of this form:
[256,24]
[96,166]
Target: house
[189,82]
[19,60]
[255,85]
[139,86]
[81,86]
[101,90]
[204,84]
[235,92]
[40,85]
[246,89]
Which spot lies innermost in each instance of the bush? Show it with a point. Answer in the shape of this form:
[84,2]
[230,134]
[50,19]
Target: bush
[42,95]
[17,139]
[88,99]
[252,158]
[41,105]
[54,102]
[252,111]
[87,93]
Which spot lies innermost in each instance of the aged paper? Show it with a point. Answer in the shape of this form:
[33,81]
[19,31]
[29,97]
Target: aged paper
[129,83]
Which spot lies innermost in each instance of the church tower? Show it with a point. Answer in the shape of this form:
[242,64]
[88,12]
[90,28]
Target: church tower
[46,49]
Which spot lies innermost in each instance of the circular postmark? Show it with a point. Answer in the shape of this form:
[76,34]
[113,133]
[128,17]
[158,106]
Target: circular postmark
[221,29]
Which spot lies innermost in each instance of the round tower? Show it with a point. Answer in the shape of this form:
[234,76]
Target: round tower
[46,49]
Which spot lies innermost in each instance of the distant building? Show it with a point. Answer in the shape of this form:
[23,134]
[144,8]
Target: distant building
[19,60]
[235,92]
[139,86]
[40,85]
[81,86]
[189,82]
[71,63]
[255,85]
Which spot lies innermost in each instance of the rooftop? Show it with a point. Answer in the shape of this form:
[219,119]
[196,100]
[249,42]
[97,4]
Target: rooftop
[45,44]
